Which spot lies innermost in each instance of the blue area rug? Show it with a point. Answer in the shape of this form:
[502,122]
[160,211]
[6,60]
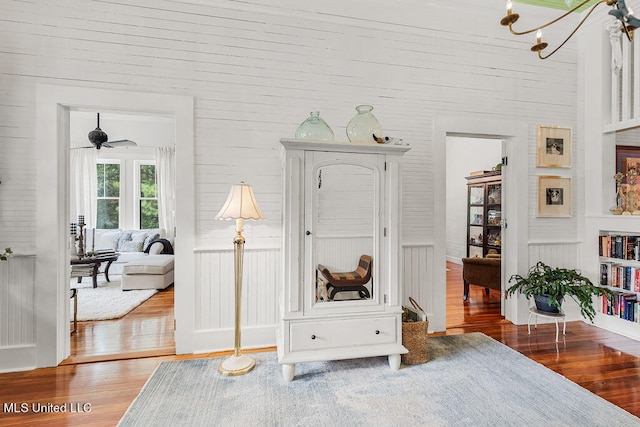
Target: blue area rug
[470,380]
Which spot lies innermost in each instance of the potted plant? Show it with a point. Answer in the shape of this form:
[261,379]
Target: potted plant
[550,285]
[7,253]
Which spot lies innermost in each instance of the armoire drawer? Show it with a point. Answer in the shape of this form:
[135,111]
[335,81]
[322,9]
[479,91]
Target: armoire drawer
[326,334]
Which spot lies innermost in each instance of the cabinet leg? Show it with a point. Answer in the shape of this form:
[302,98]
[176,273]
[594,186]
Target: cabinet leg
[288,371]
[394,361]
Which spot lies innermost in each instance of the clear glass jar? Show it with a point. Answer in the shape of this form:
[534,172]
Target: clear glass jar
[314,128]
[363,126]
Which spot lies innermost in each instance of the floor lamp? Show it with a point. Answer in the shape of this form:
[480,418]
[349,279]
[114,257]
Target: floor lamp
[241,204]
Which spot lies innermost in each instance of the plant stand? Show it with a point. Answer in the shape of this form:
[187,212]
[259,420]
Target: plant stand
[534,312]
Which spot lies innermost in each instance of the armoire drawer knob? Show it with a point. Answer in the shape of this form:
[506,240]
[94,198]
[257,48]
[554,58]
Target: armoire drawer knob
[313,337]
[377,332]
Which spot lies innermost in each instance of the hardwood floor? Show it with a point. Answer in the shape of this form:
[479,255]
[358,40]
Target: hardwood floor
[605,363]
[144,332]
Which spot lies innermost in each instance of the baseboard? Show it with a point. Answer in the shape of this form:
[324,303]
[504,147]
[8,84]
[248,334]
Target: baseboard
[17,358]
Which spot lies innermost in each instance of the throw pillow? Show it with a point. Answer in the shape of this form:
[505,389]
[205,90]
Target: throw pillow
[124,237]
[151,236]
[138,236]
[131,246]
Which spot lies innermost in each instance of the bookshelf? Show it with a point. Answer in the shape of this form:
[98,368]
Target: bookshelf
[619,270]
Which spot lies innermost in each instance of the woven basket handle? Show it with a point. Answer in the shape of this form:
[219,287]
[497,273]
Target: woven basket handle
[415,305]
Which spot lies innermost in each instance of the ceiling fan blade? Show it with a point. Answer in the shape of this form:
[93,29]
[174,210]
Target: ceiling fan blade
[119,143]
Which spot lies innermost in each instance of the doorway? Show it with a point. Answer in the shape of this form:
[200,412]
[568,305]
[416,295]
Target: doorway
[515,173]
[127,199]
[471,176]
[53,104]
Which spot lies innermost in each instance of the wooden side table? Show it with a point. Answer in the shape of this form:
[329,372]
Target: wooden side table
[90,266]
[534,312]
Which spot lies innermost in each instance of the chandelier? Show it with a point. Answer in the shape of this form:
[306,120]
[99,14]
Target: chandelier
[619,10]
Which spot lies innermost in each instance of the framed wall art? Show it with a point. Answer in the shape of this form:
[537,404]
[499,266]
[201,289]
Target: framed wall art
[553,147]
[554,196]
[627,157]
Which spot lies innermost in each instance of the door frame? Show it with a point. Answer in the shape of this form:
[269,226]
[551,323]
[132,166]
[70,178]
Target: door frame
[515,213]
[53,104]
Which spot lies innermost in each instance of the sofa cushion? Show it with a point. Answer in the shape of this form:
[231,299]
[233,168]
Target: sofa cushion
[105,239]
[149,264]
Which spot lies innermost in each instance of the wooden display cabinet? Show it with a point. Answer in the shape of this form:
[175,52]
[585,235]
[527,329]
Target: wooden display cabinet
[484,213]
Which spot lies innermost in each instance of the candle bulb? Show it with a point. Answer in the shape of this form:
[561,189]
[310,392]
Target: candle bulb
[539,36]
[509,6]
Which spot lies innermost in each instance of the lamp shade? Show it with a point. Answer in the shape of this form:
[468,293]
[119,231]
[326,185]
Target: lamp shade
[241,204]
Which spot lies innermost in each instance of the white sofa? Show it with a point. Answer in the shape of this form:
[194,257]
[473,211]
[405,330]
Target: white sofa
[130,244]
[148,272]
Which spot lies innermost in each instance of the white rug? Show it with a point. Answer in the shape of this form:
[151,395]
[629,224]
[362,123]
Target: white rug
[107,301]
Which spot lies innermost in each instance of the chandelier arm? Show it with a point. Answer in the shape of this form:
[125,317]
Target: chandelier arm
[572,32]
[520,33]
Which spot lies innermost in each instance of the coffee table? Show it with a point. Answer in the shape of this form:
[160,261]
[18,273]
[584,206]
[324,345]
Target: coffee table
[89,267]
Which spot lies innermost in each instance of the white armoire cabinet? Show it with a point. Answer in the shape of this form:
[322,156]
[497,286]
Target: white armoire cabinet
[340,201]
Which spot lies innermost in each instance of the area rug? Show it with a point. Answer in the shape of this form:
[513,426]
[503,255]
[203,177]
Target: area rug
[470,380]
[107,301]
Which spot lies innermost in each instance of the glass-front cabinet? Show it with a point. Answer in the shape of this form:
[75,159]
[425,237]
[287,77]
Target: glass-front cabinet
[341,295]
[484,214]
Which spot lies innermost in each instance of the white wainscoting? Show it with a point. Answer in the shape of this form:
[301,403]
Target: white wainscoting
[556,254]
[215,288]
[564,254]
[17,340]
[261,284]
[418,276]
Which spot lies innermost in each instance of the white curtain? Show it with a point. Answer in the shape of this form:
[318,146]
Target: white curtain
[166,180]
[83,180]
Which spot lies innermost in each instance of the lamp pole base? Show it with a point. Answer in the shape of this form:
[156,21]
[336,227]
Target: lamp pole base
[236,365]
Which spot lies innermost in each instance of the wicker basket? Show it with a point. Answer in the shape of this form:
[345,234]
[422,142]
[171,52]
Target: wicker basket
[414,338]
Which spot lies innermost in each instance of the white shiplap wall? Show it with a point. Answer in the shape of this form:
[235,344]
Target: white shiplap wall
[256,69]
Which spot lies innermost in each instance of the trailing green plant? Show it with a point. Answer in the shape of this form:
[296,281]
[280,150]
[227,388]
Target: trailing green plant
[557,283]
[7,253]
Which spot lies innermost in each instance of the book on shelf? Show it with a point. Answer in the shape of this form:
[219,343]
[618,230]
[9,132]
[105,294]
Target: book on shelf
[619,246]
[620,276]
[621,304]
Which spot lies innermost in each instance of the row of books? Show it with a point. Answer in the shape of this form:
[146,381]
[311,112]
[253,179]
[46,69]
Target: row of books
[104,253]
[622,305]
[620,246]
[620,276]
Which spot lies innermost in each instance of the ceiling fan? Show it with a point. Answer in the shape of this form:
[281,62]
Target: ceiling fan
[100,139]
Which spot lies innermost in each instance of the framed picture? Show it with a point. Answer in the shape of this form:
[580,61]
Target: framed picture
[553,147]
[627,157]
[554,196]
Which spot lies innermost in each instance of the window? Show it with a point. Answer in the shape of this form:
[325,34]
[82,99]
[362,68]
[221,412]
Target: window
[108,211]
[147,196]
[127,194]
